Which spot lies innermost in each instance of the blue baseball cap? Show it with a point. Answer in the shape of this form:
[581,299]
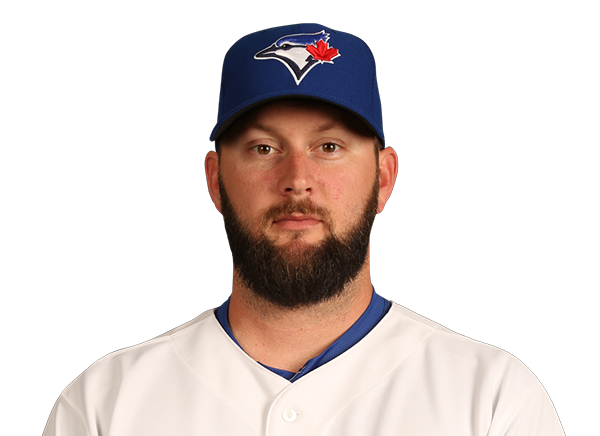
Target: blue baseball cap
[299,61]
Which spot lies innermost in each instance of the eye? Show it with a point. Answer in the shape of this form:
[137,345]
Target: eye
[330,147]
[263,149]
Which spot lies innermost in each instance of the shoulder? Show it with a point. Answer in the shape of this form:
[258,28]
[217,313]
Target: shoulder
[446,350]
[126,365]
[440,334]
[440,379]
[473,374]
[133,387]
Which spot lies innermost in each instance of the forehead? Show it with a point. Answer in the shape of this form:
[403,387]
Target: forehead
[321,116]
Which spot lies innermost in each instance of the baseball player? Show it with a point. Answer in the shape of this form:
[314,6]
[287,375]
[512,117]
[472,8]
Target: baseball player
[304,345]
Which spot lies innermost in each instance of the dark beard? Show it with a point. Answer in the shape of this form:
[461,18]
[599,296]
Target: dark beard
[298,274]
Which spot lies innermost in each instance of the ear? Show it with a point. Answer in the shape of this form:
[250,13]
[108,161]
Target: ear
[211,166]
[388,171]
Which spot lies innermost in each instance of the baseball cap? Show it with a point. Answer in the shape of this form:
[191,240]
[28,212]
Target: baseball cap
[299,61]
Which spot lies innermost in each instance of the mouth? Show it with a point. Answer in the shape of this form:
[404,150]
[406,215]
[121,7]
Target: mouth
[296,222]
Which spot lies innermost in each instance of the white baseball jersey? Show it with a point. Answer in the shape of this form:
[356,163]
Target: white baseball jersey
[409,376]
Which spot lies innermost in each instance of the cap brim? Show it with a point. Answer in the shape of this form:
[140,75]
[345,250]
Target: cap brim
[225,124]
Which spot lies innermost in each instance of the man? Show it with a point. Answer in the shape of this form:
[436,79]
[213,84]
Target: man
[304,345]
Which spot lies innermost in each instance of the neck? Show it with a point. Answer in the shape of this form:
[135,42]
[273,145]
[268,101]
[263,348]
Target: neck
[286,338]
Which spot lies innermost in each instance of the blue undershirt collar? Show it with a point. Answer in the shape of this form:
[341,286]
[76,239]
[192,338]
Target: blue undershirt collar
[374,313]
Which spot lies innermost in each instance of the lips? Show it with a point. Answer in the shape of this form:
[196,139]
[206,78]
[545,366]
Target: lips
[297,222]
[300,217]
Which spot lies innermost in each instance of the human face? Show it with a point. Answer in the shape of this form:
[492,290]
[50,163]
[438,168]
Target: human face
[297,160]
[298,151]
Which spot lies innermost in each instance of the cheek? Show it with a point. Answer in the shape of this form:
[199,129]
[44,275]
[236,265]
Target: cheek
[361,194]
[347,195]
[335,189]
[336,185]
[253,176]
[349,184]
[249,193]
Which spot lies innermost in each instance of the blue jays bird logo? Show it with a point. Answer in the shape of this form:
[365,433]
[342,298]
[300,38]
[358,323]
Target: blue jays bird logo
[300,52]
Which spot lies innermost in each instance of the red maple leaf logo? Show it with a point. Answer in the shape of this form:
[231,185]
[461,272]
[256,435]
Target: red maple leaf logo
[322,52]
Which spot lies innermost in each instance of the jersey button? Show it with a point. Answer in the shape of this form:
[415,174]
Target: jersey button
[289,415]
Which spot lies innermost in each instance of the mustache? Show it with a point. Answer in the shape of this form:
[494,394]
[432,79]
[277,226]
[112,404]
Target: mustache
[305,207]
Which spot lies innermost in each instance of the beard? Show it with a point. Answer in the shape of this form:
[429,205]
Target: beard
[297,274]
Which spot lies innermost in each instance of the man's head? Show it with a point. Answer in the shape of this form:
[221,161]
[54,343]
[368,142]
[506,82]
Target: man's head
[299,182]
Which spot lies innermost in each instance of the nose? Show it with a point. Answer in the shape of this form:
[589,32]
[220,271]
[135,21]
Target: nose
[297,176]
